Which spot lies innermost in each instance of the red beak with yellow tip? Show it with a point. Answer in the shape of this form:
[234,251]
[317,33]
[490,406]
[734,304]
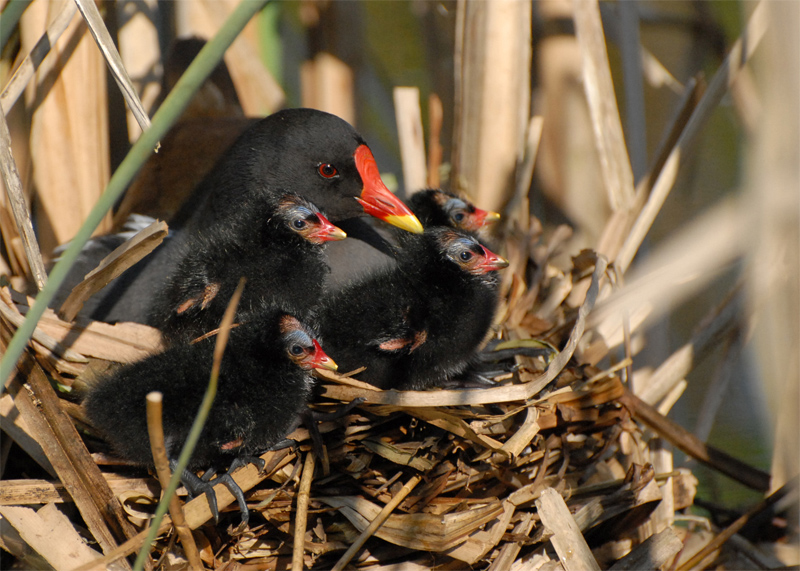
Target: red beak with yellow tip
[483,217]
[492,261]
[319,360]
[325,231]
[377,200]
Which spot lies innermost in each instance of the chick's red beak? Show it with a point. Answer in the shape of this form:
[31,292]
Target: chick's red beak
[325,231]
[492,261]
[483,217]
[377,200]
[319,360]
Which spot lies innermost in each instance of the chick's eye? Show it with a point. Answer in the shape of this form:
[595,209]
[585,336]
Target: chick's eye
[298,224]
[327,170]
[465,256]
[459,216]
[297,350]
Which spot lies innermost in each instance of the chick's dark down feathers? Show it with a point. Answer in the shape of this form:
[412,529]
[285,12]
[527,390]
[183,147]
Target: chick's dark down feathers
[418,325]
[277,245]
[261,392]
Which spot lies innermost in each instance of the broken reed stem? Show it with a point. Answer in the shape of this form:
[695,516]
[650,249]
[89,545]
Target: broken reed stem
[112,266]
[376,523]
[615,166]
[567,539]
[301,516]
[620,222]
[728,532]
[19,208]
[409,133]
[155,430]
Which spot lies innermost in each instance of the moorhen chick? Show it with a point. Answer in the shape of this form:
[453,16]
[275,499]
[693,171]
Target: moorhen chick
[417,325]
[276,244]
[437,207]
[314,154]
[264,382]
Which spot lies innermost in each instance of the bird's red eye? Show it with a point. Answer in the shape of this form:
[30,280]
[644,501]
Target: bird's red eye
[327,170]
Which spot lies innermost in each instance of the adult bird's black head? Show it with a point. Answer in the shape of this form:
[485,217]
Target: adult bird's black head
[417,325]
[315,154]
[263,386]
[436,207]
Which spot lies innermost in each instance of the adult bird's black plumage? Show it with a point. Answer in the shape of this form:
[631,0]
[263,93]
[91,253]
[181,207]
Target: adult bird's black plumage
[314,154]
[276,244]
[263,386]
[436,207]
[418,325]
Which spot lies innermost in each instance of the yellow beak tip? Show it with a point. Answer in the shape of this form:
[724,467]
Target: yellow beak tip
[407,222]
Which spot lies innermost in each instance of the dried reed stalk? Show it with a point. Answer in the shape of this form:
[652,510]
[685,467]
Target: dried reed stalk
[301,514]
[615,164]
[412,140]
[19,207]
[740,53]
[155,430]
[25,70]
[258,91]
[103,39]
[327,85]
[69,136]
[492,98]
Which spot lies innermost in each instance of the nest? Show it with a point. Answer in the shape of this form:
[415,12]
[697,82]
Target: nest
[477,478]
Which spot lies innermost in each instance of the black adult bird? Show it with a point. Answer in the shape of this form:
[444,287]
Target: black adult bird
[417,325]
[277,246]
[436,207]
[263,386]
[317,155]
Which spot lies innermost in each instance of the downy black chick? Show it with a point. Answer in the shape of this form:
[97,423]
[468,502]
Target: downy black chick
[436,207]
[264,383]
[277,244]
[418,325]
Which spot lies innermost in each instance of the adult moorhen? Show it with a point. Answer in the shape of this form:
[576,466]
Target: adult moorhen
[314,154]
